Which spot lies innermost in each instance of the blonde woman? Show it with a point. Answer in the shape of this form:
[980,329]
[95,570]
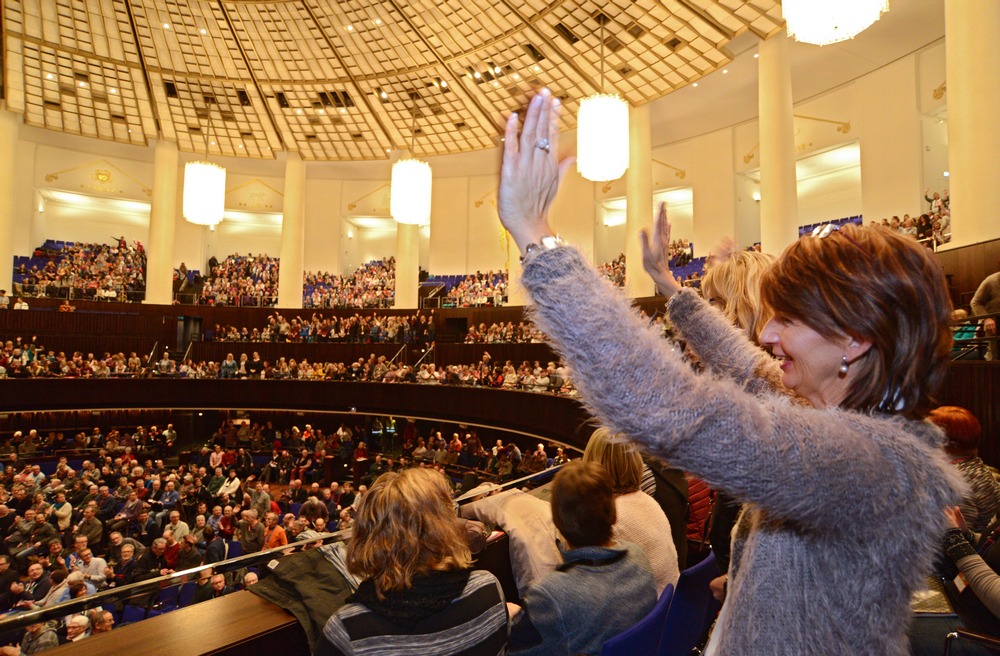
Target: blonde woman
[733,286]
[640,518]
[419,589]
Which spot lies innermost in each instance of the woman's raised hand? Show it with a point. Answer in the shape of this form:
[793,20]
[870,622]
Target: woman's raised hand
[531,171]
[656,255]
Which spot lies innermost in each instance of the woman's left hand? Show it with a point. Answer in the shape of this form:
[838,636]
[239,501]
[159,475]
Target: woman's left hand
[954,518]
[531,171]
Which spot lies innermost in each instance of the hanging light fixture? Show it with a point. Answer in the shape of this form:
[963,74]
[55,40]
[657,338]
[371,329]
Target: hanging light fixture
[410,187]
[204,189]
[602,132]
[822,22]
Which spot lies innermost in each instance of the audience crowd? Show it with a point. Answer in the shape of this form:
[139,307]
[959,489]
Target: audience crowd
[86,271]
[372,285]
[246,280]
[479,289]
[932,227]
[416,329]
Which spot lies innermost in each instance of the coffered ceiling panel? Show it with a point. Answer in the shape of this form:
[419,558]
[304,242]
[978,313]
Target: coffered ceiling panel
[349,80]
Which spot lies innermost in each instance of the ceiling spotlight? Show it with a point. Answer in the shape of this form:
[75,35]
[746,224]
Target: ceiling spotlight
[112,90]
[49,76]
[203,31]
[83,84]
[240,146]
[517,76]
[298,111]
[166,26]
[349,28]
[537,68]
[378,21]
[384,95]
[388,150]
[756,55]
[725,71]
[496,85]
[946,174]
[497,70]
[695,84]
[477,75]
[444,84]
[322,111]
[213,143]
[343,110]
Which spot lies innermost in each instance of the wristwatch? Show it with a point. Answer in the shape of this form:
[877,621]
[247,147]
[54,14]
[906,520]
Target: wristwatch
[546,243]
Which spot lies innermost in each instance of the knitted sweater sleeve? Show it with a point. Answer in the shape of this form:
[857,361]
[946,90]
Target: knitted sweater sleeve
[766,450]
[983,581]
[722,346]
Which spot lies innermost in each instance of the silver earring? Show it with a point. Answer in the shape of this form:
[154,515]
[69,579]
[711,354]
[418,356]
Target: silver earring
[844,366]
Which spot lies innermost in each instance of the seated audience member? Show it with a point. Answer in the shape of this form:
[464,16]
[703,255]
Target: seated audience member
[640,518]
[92,568]
[8,577]
[418,586]
[77,628]
[274,533]
[189,556]
[124,570]
[203,587]
[215,546]
[251,578]
[962,432]
[604,585]
[32,590]
[101,621]
[251,532]
[37,638]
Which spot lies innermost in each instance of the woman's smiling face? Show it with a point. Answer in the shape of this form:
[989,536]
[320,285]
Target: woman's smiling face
[810,362]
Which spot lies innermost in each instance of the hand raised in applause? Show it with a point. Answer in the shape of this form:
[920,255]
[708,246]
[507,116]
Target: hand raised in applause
[656,254]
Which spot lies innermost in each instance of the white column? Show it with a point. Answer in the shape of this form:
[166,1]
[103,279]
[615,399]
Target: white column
[973,69]
[9,122]
[779,206]
[638,201]
[162,225]
[293,216]
[407,266]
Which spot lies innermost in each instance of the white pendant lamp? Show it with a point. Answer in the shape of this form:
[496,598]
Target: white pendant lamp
[602,132]
[410,192]
[410,187]
[204,193]
[204,201]
[822,22]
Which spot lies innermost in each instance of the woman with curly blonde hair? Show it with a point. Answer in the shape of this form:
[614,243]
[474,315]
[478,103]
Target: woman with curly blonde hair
[733,286]
[418,588]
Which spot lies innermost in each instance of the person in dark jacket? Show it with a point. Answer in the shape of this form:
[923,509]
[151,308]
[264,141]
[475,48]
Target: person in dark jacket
[215,547]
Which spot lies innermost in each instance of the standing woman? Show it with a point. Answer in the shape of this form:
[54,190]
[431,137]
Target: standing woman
[847,483]
[419,594]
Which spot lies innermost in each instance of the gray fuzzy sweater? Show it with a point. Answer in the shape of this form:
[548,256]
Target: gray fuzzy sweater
[846,507]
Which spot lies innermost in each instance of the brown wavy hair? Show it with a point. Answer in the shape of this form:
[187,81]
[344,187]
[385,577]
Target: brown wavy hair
[583,504]
[406,526]
[876,285]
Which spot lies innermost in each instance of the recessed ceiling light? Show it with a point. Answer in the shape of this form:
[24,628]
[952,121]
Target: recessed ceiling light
[298,111]
[378,21]
[695,84]
[349,28]
[387,150]
[477,75]
[240,146]
[497,70]
[343,110]
[213,143]
[384,95]
[130,131]
[203,31]
[83,84]
[725,71]
[322,111]
[166,26]
[517,76]
[946,174]
[112,90]
[756,55]
[537,68]
[49,76]
[444,84]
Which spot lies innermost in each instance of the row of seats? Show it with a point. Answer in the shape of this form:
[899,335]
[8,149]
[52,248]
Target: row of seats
[807,229]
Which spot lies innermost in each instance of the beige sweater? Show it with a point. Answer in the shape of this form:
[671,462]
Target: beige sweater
[642,521]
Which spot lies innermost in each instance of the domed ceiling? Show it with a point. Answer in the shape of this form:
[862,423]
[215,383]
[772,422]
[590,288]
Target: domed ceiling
[347,80]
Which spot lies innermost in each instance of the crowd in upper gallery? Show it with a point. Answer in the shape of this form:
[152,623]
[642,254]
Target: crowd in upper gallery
[115,271]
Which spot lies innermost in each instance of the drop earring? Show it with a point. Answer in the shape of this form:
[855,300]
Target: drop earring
[844,366]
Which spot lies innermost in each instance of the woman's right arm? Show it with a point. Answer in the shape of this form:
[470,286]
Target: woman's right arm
[983,581]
